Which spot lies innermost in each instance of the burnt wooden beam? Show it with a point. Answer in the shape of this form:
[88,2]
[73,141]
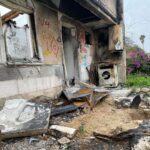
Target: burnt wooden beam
[9,16]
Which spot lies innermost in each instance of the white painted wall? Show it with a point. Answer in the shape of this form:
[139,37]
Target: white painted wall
[16,87]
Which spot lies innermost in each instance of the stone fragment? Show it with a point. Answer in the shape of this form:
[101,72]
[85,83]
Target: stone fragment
[69,132]
[63,141]
[121,93]
[145,90]
[138,90]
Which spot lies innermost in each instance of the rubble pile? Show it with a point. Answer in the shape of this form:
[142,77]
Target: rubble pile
[84,117]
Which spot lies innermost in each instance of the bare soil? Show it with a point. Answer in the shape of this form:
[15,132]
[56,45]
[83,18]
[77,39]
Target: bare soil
[106,119]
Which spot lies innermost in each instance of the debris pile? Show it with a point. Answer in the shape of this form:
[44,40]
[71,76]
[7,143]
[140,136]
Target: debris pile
[114,116]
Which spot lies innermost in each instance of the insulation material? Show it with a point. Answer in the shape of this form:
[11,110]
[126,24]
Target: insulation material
[20,115]
[18,42]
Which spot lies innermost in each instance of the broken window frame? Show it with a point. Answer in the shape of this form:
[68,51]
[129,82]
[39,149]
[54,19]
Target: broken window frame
[34,52]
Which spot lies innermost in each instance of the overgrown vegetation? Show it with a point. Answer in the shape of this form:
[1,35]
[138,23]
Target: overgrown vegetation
[138,66]
[135,80]
[138,62]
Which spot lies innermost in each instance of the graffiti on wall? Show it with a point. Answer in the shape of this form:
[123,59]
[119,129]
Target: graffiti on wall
[51,44]
[85,56]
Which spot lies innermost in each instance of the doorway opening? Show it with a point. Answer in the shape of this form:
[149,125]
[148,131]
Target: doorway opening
[70,45]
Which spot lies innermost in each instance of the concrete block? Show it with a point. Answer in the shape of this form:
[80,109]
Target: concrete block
[8,88]
[70,132]
[27,85]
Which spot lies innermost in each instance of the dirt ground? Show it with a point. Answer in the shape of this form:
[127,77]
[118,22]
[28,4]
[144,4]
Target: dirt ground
[107,119]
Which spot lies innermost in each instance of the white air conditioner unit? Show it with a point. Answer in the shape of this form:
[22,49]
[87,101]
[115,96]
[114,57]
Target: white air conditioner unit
[108,75]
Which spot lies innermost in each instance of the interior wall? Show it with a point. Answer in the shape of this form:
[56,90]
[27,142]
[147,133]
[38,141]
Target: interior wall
[86,52]
[70,47]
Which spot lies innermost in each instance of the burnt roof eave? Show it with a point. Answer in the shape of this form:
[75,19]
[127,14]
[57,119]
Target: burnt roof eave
[99,11]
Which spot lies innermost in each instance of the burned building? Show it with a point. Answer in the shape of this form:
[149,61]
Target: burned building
[47,44]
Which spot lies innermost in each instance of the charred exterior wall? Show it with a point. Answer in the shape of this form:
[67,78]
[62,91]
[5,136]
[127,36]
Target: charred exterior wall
[49,74]
[84,44]
[49,40]
[109,5]
[104,55]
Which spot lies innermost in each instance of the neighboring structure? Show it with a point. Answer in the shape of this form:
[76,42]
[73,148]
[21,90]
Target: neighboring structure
[47,43]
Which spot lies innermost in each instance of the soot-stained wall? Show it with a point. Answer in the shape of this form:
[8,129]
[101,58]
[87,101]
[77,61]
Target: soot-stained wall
[16,80]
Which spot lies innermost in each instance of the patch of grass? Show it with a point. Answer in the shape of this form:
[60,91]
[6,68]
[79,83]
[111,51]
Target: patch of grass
[138,81]
[81,131]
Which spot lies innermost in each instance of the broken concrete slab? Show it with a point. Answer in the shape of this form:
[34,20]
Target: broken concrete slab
[121,93]
[20,117]
[69,132]
[145,90]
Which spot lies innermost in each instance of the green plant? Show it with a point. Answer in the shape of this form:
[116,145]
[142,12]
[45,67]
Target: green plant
[135,80]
